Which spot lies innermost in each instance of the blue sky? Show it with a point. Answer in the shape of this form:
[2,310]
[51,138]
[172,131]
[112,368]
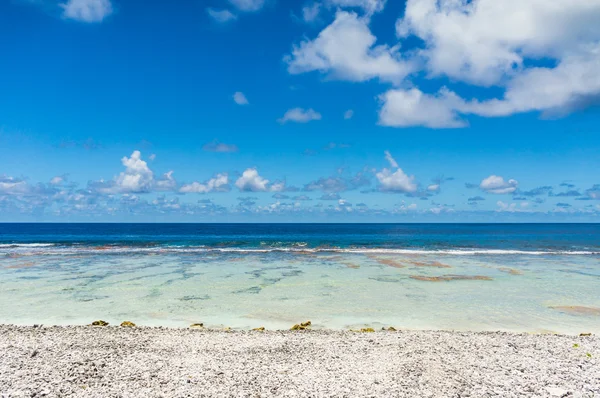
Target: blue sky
[307,111]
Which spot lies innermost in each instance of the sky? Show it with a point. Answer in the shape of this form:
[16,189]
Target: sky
[299,111]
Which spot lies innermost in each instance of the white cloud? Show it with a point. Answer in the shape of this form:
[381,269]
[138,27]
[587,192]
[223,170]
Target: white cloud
[13,186]
[137,176]
[240,98]
[221,16]
[407,108]
[248,5]
[311,13]
[348,114]
[251,181]
[166,183]
[507,207]
[391,160]
[300,115]
[433,188]
[482,41]
[219,183]
[57,180]
[391,180]
[346,50]
[368,6]
[152,157]
[496,185]
[568,86]
[277,186]
[87,10]
[487,42]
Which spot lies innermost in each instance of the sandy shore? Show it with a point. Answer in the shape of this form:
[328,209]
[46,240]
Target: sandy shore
[160,362]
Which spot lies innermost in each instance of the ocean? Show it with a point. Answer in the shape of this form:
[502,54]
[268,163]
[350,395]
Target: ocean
[482,277]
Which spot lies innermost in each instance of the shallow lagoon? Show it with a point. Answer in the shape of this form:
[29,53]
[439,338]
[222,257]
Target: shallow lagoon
[412,289]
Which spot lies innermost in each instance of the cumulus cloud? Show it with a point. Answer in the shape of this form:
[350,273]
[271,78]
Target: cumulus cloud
[251,181]
[496,185]
[412,107]
[221,16]
[544,56]
[137,178]
[216,146]
[219,183]
[299,115]
[346,50]
[87,10]
[394,179]
[483,41]
[240,98]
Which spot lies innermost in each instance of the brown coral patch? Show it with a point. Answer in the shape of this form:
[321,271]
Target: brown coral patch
[449,278]
[577,309]
[434,264]
[350,265]
[511,271]
[389,262]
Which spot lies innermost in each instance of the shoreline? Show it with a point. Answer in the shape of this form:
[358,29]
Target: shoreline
[171,362]
[313,328]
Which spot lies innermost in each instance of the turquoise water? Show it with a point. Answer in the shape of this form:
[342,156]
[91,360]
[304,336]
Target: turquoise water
[534,278]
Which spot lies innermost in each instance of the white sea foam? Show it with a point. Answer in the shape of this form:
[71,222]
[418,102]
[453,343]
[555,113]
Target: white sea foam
[51,249]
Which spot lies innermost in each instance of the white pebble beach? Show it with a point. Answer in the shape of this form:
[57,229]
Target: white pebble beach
[162,362]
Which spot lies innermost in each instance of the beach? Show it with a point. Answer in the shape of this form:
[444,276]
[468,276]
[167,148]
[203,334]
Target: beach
[89,361]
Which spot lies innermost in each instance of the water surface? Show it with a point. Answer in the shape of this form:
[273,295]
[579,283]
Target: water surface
[517,277]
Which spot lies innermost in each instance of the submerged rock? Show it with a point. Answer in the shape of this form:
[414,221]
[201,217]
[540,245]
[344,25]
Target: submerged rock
[367,330]
[260,329]
[197,325]
[301,326]
[585,334]
[127,324]
[99,323]
[511,271]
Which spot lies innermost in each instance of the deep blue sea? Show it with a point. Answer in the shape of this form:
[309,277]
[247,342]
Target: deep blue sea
[517,277]
[426,237]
